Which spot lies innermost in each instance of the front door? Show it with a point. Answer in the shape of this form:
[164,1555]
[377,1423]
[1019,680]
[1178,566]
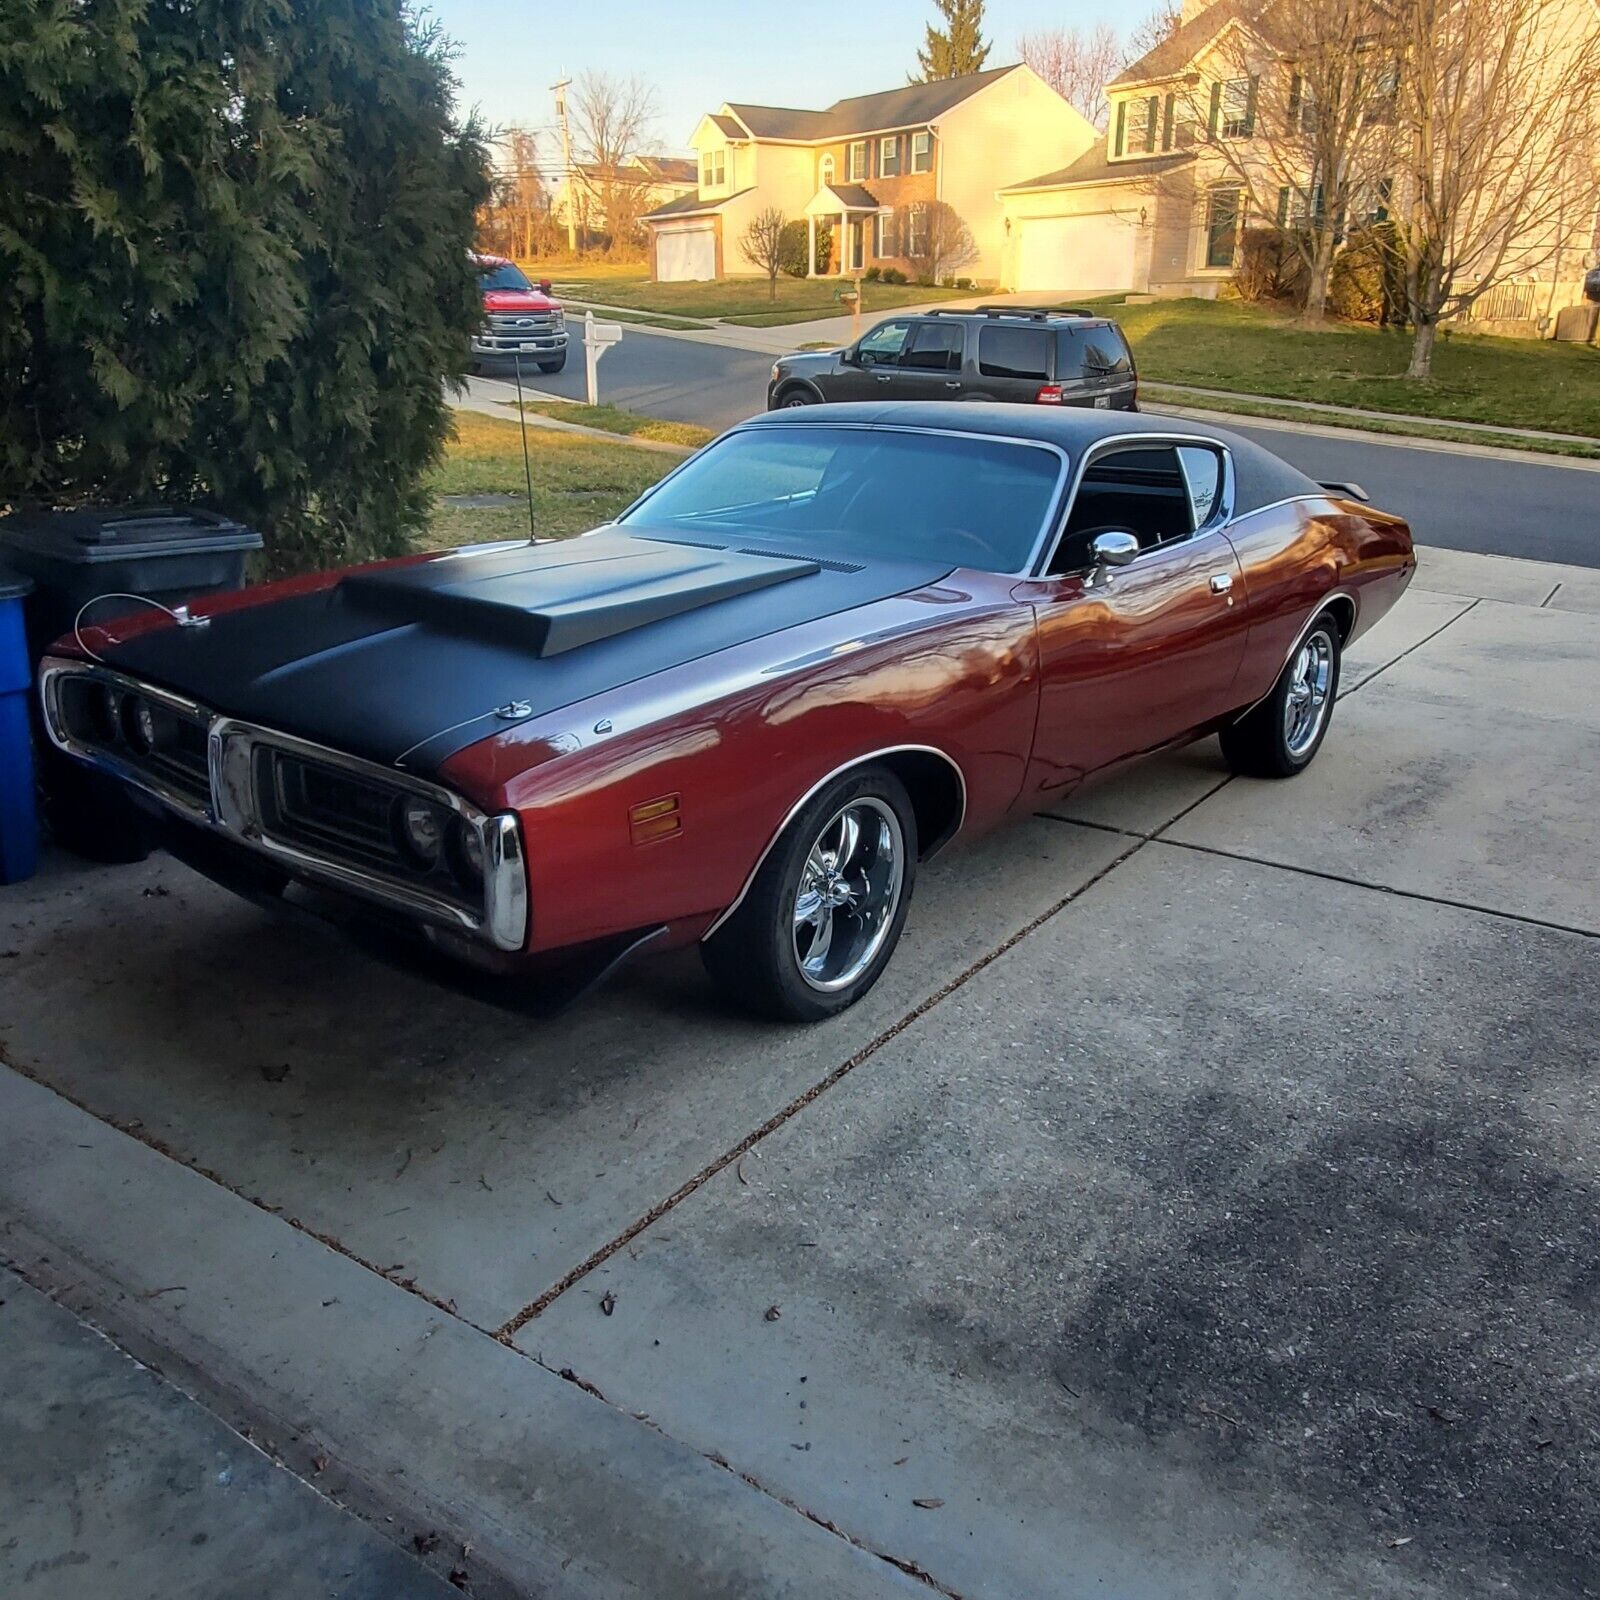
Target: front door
[870,376]
[857,245]
[1133,658]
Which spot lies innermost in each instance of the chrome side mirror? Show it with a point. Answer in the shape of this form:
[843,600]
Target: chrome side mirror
[1111,549]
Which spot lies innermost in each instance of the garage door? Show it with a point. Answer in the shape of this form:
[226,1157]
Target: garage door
[686,253]
[1077,253]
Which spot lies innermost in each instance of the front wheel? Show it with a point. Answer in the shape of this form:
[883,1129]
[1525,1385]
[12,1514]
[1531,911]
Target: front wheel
[791,398]
[554,366]
[825,911]
[1279,737]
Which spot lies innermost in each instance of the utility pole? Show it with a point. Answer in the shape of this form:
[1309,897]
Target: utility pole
[560,92]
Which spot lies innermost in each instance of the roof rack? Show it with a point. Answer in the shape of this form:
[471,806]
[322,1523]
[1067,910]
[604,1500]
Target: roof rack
[1027,313]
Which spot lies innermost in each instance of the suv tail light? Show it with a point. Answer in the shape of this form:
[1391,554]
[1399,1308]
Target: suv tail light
[1049,395]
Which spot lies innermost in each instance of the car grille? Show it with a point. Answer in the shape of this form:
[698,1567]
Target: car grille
[177,761]
[522,324]
[181,760]
[309,803]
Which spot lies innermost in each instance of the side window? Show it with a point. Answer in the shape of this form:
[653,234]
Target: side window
[1010,352]
[882,347]
[935,347]
[1137,489]
[1202,477]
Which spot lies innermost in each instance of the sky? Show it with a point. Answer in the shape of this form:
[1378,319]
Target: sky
[774,52]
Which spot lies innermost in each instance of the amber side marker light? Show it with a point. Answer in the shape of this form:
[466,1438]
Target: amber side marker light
[655,819]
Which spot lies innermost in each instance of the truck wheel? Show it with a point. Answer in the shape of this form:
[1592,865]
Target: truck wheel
[825,911]
[554,366]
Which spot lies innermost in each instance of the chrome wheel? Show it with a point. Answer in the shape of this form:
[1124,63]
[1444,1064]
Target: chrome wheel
[1305,707]
[849,891]
[796,398]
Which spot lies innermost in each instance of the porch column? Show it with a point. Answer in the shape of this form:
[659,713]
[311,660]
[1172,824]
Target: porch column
[811,247]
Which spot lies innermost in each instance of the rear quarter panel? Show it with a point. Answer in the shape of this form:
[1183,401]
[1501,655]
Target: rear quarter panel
[740,738]
[1298,557]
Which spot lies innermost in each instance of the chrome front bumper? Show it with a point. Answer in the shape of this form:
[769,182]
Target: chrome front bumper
[226,802]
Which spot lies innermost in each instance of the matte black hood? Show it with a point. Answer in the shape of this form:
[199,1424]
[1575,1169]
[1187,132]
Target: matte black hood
[406,665]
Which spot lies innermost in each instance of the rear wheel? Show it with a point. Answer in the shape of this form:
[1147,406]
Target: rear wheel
[826,909]
[1279,737]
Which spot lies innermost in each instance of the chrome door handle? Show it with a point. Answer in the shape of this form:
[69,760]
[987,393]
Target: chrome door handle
[882,377]
[953,385]
[1221,582]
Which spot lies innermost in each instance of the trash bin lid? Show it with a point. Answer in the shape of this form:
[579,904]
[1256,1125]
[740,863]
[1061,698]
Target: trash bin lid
[85,537]
[13,585]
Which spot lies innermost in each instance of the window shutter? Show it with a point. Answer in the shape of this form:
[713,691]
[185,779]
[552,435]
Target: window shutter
[1250,109]
[1296,83]
[1216,111]
[1166,132]
[1283,207]
[1122,127]
[1152,120]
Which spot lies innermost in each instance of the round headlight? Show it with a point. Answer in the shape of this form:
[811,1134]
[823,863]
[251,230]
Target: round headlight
[467,852]
[139,724]
[421,828]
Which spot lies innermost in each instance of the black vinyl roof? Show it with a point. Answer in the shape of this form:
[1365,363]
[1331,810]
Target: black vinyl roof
[1260,478]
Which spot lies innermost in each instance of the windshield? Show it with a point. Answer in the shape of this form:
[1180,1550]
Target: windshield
[866,492]
[505,276]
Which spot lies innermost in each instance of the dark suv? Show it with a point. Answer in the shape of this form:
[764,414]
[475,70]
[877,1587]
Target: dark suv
[1054,357]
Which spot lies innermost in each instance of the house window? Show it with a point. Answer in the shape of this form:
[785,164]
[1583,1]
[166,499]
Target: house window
[858,161]
[713,168]
[1371,202]
[889,156]
[825,171]
[1120,142]
[917,232]
[883,235]
[1299,208]
[705,170]
[1152,121]
[1233,108]
[922,152]
[1222,227]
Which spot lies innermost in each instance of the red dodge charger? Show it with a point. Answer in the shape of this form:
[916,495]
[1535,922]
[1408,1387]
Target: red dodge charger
[740,716]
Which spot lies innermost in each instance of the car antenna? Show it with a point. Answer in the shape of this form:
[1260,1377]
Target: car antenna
[522,422]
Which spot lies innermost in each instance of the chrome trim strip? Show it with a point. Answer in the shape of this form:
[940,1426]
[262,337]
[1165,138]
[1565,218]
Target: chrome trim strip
[821,783]
[760,425]
[233,811]
[1221,516]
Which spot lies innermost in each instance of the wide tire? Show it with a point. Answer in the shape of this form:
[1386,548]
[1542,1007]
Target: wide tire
[548,367]
[795,395]
[825,912]
[1280,737]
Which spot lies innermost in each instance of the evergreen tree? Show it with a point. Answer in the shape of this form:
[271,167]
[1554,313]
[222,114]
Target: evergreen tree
[233,261]
[957,49]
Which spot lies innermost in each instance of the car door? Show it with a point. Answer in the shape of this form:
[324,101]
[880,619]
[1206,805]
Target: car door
[869,373]
[930,366]
[1133,658]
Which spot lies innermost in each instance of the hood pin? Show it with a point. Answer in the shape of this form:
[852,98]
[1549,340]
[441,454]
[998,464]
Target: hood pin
[515,710]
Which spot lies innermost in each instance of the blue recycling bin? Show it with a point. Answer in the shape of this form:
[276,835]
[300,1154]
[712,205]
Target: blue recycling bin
[19,822]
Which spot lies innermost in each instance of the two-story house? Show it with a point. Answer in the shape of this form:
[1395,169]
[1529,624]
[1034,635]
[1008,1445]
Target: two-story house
[1207,133]
[646,181]
[869,169]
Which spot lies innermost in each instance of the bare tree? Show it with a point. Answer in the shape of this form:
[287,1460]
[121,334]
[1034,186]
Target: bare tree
[1498,109]
[1304,124]
[937,240]
[1154,29]
[761,244]
[1077,63]
[516,219]
[611,117]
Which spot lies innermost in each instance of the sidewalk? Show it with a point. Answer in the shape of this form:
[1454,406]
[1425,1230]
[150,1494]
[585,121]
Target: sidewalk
[117,1485]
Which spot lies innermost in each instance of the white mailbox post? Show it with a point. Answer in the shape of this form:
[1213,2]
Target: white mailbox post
[598,337]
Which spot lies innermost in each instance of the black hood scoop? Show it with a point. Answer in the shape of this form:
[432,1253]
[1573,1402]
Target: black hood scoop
[409,664]
[553,598]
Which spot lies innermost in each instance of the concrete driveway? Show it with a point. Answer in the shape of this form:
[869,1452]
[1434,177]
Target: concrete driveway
[1203,1205]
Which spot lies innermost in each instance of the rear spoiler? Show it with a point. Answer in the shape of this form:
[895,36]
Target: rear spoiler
[1347,491]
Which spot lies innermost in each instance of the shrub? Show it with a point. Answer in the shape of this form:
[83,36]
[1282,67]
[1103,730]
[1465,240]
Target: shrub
[871,274]
[962,283]
[1364,284]
[1270,269]
[893,275]
[792,249]
[234,263]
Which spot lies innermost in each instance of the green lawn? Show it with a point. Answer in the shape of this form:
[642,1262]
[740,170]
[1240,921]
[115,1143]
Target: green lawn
[613,419]
[737,299]
[1524,383]
[578,483]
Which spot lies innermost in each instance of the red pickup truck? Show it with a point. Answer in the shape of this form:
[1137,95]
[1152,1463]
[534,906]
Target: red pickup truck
[521,320]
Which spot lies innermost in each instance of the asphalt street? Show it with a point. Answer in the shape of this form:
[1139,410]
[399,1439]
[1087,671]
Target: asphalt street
[1540,509]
